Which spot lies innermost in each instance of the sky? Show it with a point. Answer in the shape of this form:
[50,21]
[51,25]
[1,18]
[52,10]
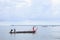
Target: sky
[29,12]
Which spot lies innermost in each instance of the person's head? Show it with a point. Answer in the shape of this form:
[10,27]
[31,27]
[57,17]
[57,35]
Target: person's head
[11,30]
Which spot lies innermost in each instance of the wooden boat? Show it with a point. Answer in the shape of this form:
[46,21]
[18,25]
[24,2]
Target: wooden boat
[14,31]
[23,32]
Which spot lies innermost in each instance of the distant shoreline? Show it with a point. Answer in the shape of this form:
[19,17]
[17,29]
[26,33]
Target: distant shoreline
[34,25]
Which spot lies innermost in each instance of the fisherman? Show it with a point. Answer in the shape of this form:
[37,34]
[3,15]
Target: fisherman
[33,28]
[14,30]
[11,30]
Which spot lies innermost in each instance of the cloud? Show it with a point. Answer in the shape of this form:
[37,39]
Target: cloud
[16,3]
[28,11]
[55,2]
[55,7]
[23,3]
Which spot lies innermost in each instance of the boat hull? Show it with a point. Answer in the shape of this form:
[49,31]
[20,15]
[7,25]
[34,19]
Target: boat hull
[23,32]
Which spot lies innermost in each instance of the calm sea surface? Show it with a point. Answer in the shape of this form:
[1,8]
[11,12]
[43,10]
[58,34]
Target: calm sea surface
[43,33]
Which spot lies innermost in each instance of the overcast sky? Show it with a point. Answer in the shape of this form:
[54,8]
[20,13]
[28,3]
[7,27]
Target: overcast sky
[30,12]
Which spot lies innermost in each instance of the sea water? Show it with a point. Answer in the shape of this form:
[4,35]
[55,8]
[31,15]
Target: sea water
[42,33]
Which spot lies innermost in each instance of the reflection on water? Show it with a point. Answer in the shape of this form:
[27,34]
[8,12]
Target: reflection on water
[43,33]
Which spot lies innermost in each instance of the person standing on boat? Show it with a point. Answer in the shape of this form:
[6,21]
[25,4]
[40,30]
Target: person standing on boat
[33,28]
[14,30]
[11,30]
